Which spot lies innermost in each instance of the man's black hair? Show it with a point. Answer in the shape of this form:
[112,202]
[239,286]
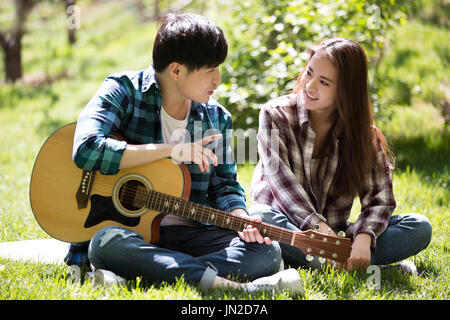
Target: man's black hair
[189,39]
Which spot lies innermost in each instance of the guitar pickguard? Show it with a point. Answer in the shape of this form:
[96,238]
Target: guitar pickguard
[102,209]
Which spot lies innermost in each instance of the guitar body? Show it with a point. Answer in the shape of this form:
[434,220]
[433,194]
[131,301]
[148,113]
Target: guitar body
[62,196]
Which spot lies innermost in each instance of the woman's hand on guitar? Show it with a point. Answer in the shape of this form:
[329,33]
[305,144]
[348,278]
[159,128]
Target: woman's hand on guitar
[361,254]
[195,152]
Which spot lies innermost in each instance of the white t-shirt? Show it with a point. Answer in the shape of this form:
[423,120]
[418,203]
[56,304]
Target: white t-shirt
[173,131]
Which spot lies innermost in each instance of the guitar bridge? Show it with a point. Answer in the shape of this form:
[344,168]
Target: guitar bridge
[84,190]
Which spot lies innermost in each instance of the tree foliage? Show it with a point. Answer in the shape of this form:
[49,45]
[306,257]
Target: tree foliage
[268,38]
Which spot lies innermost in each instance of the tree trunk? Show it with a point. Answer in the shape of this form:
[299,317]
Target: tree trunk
[70,30]
[11,42]
[13,59]
[156,10]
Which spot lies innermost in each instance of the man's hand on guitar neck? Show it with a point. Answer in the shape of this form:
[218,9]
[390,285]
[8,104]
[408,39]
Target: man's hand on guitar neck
[251,234]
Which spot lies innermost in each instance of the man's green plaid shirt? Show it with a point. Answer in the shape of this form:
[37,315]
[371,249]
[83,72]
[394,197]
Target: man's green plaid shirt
[129,104]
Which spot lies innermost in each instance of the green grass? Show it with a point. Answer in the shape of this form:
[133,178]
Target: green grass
[416,64]
[30,112]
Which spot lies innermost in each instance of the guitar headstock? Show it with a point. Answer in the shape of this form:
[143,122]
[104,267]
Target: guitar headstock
[313,243]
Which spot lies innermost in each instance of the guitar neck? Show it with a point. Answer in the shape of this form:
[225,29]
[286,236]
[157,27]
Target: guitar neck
[168,204]
[310,242]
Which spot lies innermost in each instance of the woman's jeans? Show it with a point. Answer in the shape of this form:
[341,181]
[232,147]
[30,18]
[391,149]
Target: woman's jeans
[198,252]
[406,235]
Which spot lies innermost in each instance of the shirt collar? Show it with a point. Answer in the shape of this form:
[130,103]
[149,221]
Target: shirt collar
[302,112]
[149,79]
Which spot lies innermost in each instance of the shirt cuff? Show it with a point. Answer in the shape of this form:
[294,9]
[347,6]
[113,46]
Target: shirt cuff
[230,202]
[112,156]
[363,229]
[314,219]
[373,241]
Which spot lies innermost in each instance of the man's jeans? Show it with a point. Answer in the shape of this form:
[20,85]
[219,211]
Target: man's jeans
[198,252]
[406,235]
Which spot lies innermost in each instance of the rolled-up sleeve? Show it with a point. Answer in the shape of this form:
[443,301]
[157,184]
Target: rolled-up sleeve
[95,147]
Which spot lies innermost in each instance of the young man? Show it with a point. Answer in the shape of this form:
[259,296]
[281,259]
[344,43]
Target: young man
[148,108]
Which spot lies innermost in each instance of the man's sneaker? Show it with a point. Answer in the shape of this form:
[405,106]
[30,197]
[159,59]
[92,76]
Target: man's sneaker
[89,276]
[288,280]
[108,278]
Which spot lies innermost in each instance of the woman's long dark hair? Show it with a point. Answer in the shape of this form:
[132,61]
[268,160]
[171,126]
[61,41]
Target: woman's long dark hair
[360,138]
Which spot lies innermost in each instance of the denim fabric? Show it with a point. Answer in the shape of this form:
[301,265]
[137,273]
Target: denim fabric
[182,250]
[405,236]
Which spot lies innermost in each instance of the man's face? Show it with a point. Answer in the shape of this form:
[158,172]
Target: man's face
[199,85]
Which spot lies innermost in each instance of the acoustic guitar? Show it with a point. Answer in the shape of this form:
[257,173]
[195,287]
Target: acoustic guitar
[71,204]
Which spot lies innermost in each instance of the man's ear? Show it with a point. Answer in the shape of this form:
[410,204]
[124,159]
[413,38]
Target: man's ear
[174,69]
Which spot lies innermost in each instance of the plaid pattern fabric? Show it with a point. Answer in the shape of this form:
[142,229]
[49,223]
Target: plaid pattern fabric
[129,104]
[282,177]
[77,254]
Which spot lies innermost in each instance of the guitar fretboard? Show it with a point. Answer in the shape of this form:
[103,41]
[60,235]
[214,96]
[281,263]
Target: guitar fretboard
[168,204]
[309,242]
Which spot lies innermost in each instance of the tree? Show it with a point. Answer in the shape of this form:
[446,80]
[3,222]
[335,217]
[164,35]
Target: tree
[11,41]
[267,39]
[70,29]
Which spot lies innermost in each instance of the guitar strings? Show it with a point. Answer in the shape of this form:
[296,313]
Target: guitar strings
[187,204]
[220,217]
[140,195]
[130,194]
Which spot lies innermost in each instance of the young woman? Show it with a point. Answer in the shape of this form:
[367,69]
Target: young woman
[319,149]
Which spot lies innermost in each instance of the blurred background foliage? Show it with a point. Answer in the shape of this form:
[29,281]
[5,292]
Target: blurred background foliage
[406,43]
[268,39]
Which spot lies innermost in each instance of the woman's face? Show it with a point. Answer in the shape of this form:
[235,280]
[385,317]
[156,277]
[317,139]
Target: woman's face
[319,85]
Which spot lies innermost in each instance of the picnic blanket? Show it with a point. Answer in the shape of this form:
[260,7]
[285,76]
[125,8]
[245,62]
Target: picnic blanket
[38,250]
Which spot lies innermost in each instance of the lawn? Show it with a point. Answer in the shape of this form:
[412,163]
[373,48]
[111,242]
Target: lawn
[30,111]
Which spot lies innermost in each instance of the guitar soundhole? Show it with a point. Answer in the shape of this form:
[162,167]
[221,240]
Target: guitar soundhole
[133,195]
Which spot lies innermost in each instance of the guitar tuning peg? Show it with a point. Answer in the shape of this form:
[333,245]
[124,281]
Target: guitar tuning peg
[316,226]
[322,260]
[309,258]
[341,234]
